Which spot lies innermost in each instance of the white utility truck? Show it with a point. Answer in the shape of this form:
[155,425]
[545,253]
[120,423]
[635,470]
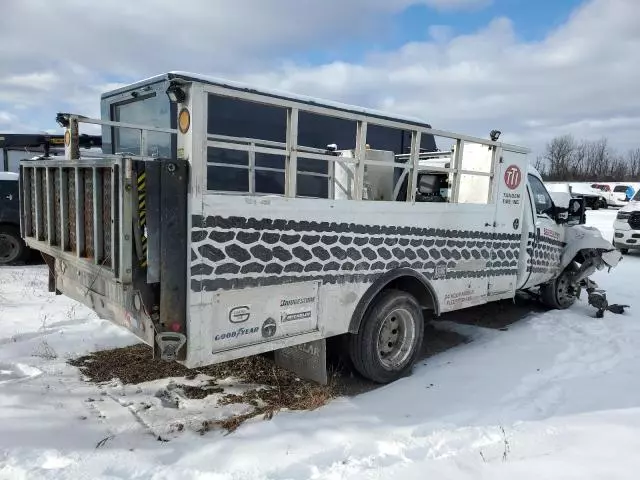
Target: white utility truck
[224,221]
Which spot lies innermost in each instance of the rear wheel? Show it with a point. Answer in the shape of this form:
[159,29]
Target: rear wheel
[390,337]
[560,293]
[624,251]
[12,247]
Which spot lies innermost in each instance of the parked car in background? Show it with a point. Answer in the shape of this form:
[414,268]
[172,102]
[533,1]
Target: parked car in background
[614,199]
[12,247]
[626,226]
[626,189]
[593,198]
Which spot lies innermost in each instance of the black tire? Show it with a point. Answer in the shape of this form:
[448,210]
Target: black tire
[604,205]
[12,247]
[392,308]
[556,294]
[624,251]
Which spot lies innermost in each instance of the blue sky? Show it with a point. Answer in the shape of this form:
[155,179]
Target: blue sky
[534,69]
[532,20]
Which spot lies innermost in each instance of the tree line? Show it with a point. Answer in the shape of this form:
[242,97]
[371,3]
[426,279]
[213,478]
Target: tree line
[567,159]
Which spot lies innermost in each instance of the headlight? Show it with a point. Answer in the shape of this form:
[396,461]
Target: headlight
[623,215]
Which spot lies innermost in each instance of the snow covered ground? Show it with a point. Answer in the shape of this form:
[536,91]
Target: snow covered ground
[555,396]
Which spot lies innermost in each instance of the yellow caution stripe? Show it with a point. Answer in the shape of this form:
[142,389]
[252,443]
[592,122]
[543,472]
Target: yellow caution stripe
[142,215]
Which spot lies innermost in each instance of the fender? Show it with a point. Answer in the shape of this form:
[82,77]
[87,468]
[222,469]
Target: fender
[426,293]
[581,237]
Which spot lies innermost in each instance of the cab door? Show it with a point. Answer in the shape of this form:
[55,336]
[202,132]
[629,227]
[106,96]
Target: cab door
[545,238]
[510,196]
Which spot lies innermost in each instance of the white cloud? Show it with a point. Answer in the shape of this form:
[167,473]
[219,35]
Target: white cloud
[582,78]
[35,80]
[6,118]
[54,53]
[11,123]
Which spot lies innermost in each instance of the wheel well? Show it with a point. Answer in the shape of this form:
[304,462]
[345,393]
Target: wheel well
[10,224]
[405,280]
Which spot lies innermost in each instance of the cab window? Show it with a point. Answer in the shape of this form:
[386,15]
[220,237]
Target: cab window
[541,197]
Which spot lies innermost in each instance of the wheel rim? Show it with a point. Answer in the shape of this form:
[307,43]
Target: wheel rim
[564,291]
[9,248]
[396,337]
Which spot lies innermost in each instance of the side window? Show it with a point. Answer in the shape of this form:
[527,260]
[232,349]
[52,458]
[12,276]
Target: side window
[237,170]
[154,110]
[230,170]
[541,197]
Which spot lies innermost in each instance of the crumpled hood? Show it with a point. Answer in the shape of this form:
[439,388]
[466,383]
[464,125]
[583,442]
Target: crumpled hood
[579,237]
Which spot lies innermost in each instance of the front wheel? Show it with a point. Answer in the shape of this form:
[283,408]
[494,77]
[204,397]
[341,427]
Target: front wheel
[390,337]
[559,294]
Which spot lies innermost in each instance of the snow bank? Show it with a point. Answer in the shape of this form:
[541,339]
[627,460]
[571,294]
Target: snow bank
[554,396]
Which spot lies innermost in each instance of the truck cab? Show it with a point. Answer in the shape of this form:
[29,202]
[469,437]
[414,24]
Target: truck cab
[550,221]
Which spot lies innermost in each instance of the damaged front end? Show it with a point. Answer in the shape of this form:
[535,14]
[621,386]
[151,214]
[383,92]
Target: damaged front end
[586,246]
[586,252]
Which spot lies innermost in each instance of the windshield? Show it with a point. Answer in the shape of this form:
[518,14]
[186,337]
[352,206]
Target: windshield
[152,111]
[636,197]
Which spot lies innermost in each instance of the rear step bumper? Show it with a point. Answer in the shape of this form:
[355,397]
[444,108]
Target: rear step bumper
[101,293]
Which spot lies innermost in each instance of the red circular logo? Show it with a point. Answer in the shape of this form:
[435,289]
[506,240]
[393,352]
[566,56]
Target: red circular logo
[512,177]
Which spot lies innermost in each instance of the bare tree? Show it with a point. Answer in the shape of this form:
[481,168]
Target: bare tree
[566,159]
[558,156]
[633,163]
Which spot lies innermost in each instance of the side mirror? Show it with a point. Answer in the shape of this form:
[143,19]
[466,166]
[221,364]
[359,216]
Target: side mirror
[576,212]
[572,214]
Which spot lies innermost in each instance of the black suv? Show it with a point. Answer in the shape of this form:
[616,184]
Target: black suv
[12,247]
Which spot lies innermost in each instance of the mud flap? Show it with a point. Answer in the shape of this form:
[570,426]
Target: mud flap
[307,360]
